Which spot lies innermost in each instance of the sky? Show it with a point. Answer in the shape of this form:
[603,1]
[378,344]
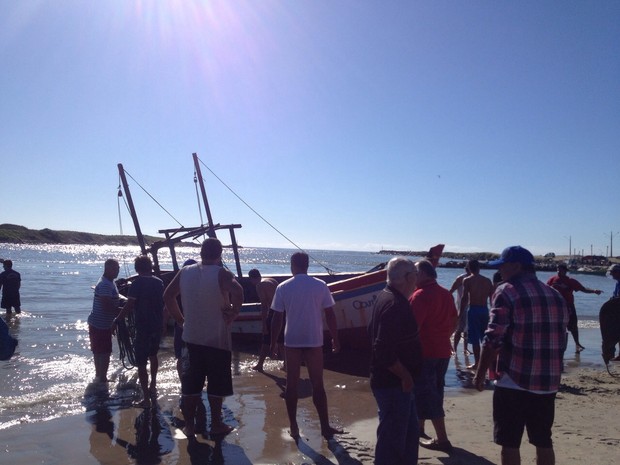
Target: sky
[348,125]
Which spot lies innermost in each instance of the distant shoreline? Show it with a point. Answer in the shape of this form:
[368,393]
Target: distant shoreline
[15,234]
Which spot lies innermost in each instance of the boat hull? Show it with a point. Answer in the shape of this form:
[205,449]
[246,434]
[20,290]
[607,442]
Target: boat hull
[354,300]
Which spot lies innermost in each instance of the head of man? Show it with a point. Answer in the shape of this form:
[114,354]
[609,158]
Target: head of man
[426,272]
[8,265]
[513,261]
[111,269]
[614,271]
[562,269]
[473,266]
[211,251]
[300,263]
[143,265]
[402,275]
[255,276]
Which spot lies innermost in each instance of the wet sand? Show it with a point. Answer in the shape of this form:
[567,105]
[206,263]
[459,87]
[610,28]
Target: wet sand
[587,426]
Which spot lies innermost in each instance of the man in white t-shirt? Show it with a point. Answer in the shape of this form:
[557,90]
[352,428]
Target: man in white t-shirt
[304,299]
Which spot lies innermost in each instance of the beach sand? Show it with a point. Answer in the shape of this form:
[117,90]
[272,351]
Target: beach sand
[587,425]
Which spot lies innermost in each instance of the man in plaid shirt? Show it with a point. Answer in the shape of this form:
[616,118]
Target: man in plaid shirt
[524,343]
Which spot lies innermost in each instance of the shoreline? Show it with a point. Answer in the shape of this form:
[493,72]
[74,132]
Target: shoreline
[586,401]
[109,434]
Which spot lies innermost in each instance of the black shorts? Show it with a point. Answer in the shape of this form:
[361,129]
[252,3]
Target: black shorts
[145,346]
[515,410]
[210,364]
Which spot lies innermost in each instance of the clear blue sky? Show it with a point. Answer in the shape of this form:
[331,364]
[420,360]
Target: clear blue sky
[353,125]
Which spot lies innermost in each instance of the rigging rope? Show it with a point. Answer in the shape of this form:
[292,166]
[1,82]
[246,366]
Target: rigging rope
[330,271]
[153,199]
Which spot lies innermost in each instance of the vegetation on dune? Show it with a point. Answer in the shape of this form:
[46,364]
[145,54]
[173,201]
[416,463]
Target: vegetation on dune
[14,234]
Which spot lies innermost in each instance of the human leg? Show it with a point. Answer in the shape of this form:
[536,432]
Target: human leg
[143,378]
[293,363]
[397,433]
[510,456]
[154,362]
[545,456]
[314,364]
[509,423]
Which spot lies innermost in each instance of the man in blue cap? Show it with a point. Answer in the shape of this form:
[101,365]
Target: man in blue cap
[525,342]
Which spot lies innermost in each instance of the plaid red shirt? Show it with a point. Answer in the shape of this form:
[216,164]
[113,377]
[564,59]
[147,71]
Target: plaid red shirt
[528,324]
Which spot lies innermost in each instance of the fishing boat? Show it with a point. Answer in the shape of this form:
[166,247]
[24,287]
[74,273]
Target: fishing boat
[354,293]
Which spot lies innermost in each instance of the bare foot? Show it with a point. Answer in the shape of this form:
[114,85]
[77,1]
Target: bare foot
[258,367]
[579,348]
[329,432]
[221,428]
[294,432]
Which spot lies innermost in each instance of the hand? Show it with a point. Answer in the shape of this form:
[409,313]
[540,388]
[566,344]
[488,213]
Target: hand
[114,327]
[335,346]
[479,380]
[598,292]
[407,383]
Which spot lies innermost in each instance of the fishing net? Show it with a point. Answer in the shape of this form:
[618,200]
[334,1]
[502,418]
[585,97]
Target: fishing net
[126,337]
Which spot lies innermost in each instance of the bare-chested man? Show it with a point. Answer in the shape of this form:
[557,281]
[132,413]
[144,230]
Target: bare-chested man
[477,291]
[265,288]
[461,326]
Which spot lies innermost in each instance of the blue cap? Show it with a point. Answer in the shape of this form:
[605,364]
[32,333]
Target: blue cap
[514,254]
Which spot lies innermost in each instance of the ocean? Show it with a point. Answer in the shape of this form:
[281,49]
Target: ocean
[51,373]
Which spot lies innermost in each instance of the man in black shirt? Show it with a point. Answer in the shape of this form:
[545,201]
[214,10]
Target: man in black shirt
[395,362]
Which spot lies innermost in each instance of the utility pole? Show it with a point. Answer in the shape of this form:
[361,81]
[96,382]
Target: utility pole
[611,243]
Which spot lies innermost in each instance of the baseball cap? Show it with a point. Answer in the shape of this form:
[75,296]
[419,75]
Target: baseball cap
[514,254]
[613,268]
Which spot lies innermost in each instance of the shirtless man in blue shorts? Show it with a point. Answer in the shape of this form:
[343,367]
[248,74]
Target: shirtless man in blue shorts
[477,291]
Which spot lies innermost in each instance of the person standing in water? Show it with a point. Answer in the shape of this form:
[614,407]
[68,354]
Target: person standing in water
[566,286]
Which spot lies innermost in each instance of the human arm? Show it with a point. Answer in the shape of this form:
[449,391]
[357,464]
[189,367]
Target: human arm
[332,325]
[231,288]
[170,299]
[406,381]
[458,282]
[276,327]
[577,286]
[465,299]
[130,304]
[487,356]
[265,298]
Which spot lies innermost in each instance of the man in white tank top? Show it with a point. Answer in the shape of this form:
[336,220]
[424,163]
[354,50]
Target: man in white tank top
[211,298]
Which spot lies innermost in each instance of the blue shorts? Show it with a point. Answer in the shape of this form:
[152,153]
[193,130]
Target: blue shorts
[145,346]
[477,322]
[429,388]
[210,364]
[515,410]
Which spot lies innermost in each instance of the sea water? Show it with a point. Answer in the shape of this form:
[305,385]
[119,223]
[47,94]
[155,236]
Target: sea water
[52,370]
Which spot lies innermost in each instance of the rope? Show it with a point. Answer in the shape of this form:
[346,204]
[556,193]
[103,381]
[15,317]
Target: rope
[330,271]
[153,199]
[125,336]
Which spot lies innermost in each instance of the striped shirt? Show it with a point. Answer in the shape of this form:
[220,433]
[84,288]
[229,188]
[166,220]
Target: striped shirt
[98,317]
[528,325]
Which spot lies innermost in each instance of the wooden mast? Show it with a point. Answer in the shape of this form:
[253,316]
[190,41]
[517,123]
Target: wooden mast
[205,201]
[211,226]
[132,210]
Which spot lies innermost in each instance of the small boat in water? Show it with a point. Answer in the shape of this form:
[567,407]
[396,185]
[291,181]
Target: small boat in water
[354,293]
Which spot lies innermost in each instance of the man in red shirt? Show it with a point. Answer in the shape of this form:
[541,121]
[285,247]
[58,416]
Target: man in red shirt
[566,286]
[436,315]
